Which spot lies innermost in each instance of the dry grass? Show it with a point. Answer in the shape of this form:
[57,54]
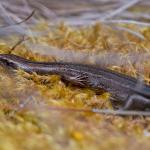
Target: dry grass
[29,118]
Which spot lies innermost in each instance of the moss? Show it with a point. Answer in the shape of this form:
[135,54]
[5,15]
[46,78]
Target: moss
[27,100]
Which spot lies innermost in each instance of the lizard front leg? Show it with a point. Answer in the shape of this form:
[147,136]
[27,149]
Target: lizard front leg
[137,102]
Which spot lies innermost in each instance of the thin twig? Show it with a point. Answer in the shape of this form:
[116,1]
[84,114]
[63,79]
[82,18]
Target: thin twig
[102,111]
[121,112]
[120,9]
[137,34]
[128,22]
[19,42]
[18,23]
[26,19]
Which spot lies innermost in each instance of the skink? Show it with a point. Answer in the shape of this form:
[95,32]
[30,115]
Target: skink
[123,89]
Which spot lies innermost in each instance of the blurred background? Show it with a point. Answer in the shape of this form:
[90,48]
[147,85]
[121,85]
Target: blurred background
[78,12]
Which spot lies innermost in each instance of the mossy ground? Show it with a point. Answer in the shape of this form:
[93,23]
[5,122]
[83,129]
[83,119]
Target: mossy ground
[27,118]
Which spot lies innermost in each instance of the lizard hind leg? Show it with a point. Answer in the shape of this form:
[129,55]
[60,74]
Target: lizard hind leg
[137,102]
[79,80]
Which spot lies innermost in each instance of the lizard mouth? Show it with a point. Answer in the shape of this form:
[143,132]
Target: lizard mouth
[4,62]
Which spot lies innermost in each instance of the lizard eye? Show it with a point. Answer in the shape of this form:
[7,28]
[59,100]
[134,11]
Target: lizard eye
[7,63]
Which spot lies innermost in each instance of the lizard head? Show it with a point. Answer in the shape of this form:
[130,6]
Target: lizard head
[7,60]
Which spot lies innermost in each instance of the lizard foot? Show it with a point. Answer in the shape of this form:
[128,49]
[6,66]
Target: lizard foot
[137,102]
